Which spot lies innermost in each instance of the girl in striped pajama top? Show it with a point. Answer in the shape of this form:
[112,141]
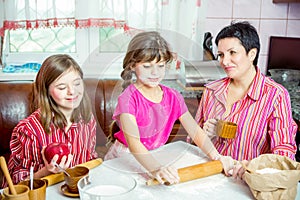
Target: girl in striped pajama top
[258,105]
[63,115]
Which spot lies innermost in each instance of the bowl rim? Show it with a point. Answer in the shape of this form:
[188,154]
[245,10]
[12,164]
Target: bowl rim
[80,189]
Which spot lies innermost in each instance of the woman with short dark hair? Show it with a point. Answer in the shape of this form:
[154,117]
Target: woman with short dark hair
[259,106]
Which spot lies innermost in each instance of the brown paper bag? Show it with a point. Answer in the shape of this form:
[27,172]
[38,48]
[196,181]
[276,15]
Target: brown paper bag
[273,186]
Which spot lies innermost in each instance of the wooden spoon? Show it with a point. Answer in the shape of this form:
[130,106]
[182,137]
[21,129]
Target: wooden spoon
[7,176]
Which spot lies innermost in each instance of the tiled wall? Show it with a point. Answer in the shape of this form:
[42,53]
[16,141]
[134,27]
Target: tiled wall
[280,19]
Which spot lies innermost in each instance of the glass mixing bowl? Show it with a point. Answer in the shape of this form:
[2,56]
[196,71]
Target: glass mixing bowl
[106,186]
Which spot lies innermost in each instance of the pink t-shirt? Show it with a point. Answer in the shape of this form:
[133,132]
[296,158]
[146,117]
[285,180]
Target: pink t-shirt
[155,120]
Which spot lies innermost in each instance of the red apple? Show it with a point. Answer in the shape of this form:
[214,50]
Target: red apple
[61,149]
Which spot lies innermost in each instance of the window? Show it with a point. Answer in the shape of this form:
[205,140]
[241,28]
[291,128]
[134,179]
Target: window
[96,33]
[42,40]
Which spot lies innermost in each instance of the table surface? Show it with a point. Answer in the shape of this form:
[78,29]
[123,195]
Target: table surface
[181,154]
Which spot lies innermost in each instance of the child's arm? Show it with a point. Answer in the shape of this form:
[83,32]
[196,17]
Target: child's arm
[143,156]
[203,141]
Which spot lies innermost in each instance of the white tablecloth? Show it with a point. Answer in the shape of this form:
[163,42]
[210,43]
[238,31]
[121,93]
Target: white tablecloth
[181,154]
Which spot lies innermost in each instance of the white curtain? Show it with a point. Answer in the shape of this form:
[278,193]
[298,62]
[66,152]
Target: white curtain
[178,20]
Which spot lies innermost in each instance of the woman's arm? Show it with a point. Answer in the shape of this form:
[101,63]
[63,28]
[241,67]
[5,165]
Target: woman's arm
[143,156]
[282,127]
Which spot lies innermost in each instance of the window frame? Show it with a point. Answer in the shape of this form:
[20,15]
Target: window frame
[93,62]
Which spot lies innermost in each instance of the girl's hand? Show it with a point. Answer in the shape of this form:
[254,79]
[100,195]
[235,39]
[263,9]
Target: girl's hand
[166,175]
[210,128]
[64,163]
[228,164]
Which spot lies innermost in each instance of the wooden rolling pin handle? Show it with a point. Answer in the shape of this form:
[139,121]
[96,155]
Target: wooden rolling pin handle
[53,178]
[92,163]
[7,175]
[56,178]
[195,172]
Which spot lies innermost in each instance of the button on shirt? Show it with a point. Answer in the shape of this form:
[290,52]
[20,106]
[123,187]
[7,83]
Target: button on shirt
[263,116]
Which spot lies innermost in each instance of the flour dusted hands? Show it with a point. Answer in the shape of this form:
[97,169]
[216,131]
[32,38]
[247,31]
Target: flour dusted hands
[166,175]
[210,128]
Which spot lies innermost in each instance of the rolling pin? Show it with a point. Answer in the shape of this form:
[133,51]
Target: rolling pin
[194,172]
[59,177]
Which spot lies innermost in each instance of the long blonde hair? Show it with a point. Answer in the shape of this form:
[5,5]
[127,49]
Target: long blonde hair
[50,70]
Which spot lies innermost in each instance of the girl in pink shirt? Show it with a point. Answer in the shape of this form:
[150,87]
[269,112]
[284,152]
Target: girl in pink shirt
[146,110]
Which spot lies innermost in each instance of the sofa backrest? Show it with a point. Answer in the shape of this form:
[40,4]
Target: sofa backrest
[16,103]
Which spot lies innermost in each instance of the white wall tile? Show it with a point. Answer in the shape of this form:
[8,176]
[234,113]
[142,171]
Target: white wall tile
[214,26]
[253,22]
[282,19]
[294,11]
[262,63]
[246,9]
[219,8]
[268,28]
[273,10]
[293,28]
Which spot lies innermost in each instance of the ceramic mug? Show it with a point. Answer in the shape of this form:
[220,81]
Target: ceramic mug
[39,189]
[226,129]
[22,193]
[76,173]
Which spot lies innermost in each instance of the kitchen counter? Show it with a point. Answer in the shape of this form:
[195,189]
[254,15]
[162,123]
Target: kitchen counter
[185,92]
[17,76]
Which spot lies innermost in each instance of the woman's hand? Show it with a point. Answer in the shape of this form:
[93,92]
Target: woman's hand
[210,128]
[239,170]
[166,175]
[64,163]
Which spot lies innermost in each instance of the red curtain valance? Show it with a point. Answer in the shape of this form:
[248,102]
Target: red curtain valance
[61,22]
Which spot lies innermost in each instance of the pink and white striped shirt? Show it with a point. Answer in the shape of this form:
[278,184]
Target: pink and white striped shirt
[29,137]
[264,118]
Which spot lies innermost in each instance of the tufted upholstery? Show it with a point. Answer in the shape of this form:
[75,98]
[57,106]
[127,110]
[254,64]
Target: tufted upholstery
[15,104]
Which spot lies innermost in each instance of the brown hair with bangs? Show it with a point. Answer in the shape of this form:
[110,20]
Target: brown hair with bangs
[144,47]
[52,68]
